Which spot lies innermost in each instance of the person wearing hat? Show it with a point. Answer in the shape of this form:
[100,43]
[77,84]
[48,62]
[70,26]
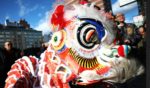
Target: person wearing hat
[122,29]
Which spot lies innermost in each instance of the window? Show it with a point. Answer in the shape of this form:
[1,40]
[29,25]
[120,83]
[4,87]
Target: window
[7,32]
[19,33]
[1,36]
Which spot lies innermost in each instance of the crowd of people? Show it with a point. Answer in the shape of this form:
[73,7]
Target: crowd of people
[9,54]
[126,33]
[134,36]
[130,34]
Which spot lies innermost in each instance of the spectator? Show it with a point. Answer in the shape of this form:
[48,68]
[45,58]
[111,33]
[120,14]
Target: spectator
[43,47]
[110,16]
[122,27]
[141,31]
[129,37]
[2,78]
[141,45]
[22,53]
[9,56]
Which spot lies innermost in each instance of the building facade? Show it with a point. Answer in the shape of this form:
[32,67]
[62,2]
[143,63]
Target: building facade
[20,37]
[103,4]
[142,6]
[107,5]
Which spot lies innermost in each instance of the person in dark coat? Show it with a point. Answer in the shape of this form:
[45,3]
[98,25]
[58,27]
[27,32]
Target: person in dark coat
[123,28]
[11,54]
[8,56]
[2,77]
[142,45]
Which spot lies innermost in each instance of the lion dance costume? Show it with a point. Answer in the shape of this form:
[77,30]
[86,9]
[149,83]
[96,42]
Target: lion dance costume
[81,50]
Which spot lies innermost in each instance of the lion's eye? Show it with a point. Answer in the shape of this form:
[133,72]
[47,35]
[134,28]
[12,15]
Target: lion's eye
[58,39]
[89,33]
[55,39]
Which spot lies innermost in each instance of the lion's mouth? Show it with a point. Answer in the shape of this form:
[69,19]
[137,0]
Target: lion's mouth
[82,61]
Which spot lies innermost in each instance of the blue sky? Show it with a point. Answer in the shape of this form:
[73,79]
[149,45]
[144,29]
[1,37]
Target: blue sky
[36,12]
[130,10]
[30,10]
